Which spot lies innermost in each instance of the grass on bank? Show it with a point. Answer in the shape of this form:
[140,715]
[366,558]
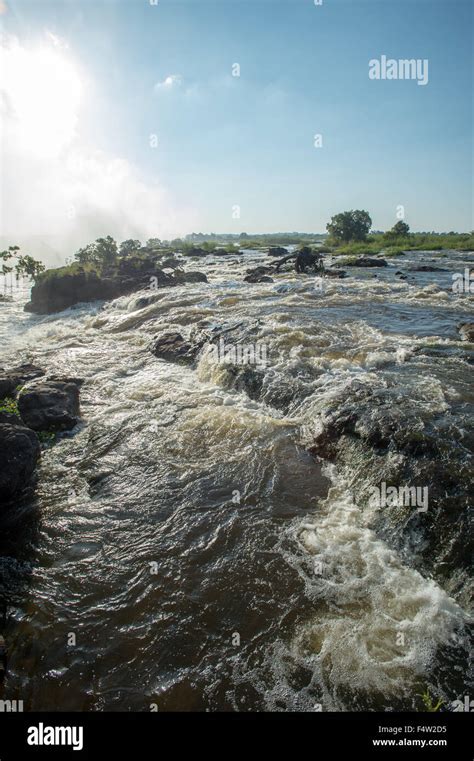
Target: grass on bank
[379,243]
[10,405]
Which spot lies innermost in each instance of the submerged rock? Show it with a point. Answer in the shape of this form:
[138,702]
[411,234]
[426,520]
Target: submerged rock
[335,273]
[381,435]
[366,261]
[3,658]
[20,449]
[258,275]
[247,379]
[466,330]
[197,251]
[174,348]
[258,279]
[50,405]
[427,268]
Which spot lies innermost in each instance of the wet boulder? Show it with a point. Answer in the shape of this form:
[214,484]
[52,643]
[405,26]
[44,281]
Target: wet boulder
[466,331]
[17,376]
[427,268]
[58,290]
[258,279]
[3,658]
[335,273]
[20,449]
[247,379]
[197,251]
[62,288]
[258,275]
[50,405]
[366,261]
[277,251]
[382,434]
[173,347]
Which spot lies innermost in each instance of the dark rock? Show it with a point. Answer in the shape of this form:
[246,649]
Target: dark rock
[365,261]
[10,418]
[55,293]
[66,379]
[144,301]
[17,376]
[56,290]
[247,379]
[50,406]
[3,658]
[258,279]
[427,268]
[258,275]
[190,277]
[174,348]
[197,251]
[277,251]
[307,259]
[382,434]
[262,270]
[335,273]
[171,263]
[20,449]
[131,266]
[466,330]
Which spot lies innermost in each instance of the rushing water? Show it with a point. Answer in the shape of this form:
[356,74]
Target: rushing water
[180,531]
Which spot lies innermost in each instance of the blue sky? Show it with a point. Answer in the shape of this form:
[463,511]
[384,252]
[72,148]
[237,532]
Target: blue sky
[248,141]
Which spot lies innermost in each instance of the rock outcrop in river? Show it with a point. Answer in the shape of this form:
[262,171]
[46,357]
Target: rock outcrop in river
[20,449]
[60,289]
[50,405]
[31,405]
[378,435]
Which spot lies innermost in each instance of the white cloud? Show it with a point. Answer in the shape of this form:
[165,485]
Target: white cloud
[53,184]
[170,82]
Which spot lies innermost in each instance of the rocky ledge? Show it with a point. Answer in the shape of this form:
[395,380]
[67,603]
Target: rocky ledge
[33,408]
[62,288]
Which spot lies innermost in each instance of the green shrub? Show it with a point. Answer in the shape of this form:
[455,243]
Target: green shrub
[47,437]
[9,405]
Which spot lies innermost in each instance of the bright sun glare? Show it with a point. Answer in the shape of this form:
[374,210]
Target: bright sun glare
[41,94]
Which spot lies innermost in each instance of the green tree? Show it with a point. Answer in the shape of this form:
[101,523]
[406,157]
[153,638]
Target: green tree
[349,225]
[86,255]
[106,250]
[28,266]
[102,253]
[129,247]
[24,265]
[153,243]
[399,230]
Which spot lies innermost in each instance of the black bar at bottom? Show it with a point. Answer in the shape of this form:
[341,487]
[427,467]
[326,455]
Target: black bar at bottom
[154,735]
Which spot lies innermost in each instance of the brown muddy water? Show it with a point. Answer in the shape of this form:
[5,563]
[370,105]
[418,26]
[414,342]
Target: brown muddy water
[203,559]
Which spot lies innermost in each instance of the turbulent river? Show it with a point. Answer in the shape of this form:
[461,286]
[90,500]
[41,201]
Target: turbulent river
[200,556]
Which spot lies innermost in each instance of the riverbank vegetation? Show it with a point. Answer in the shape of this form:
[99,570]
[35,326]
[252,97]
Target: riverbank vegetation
[348,235]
